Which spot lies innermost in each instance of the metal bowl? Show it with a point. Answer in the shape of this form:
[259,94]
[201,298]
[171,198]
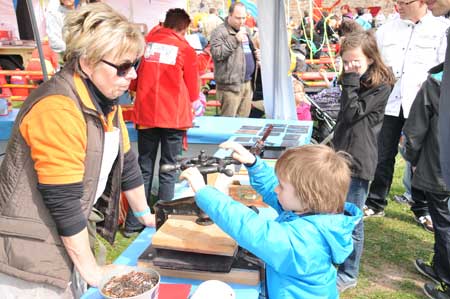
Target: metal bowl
[123,270]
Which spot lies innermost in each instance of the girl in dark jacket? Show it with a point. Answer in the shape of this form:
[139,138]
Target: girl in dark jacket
[366,84]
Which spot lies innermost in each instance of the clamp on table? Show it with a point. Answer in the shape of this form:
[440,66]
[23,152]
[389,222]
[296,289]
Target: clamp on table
[206,165]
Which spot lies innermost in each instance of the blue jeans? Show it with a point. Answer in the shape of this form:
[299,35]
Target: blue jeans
[407,175]
[171,146]
[419,204]
[357,194]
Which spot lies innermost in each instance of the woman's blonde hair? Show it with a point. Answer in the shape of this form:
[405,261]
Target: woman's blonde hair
[95,30]
[319,175]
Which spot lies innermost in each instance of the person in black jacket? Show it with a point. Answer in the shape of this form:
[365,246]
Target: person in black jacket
[366,84]
[442,8]
[422,150]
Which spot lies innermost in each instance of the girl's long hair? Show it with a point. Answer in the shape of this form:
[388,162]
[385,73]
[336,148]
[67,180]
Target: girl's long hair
[377,73]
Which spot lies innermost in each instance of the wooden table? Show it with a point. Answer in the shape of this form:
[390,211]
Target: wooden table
[24,51]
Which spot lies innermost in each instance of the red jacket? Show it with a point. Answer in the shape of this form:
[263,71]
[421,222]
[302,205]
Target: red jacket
[167,82]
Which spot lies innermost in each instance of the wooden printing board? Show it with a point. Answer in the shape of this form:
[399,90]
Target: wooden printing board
[183,234]
[240,272]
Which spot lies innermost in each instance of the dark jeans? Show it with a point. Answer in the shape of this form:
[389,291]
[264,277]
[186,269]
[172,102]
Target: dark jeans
[387,150]
[420,203]
[171,146]
[440,214]
[348,271]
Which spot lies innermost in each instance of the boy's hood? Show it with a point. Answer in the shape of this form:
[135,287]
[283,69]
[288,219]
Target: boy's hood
[337,231]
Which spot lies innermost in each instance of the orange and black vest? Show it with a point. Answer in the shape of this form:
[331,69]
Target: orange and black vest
[30,247]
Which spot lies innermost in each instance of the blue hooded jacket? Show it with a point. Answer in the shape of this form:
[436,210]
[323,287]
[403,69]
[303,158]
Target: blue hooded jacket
[299,251]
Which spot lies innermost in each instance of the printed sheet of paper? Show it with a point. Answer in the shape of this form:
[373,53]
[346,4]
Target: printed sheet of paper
[165,54]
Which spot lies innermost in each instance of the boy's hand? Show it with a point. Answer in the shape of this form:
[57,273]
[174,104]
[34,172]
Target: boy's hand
[240,153]
[194,177]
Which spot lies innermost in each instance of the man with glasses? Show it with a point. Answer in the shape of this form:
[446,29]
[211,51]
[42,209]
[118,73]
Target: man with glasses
[166,86]
[410,45]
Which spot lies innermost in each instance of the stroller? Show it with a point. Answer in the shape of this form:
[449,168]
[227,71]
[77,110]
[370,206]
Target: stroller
[323,124]
[324,111]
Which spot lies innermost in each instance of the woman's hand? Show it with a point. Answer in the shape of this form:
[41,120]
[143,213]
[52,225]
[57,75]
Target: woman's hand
[240,153]
[194,177]
[148,220]
[138,203]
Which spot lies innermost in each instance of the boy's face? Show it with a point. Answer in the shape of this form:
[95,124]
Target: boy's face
[287,197]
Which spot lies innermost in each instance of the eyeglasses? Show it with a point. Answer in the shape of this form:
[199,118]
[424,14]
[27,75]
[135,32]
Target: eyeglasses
[124,68]
[406,3]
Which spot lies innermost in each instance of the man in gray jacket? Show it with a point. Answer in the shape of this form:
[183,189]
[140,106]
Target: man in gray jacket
[234,63]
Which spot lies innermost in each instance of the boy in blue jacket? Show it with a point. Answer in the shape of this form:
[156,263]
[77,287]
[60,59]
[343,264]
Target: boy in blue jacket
[313,230]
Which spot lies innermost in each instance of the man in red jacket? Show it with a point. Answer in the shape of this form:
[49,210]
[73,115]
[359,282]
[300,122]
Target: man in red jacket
[166,86]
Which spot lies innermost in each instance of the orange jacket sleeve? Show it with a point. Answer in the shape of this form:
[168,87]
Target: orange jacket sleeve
[55,131]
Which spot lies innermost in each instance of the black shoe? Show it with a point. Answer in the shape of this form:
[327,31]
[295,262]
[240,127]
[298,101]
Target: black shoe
[439,291]
[128,233]
[426,270]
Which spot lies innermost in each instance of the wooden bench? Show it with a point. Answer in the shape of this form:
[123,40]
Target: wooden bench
[213,103]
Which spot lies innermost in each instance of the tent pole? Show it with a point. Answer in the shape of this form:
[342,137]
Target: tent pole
[37,38]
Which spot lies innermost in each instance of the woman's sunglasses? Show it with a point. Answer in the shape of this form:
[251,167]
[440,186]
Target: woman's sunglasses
[124,68]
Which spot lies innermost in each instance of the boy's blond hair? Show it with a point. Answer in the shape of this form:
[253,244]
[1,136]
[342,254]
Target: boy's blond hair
[319,175]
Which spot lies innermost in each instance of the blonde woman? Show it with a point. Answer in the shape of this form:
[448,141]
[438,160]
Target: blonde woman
[69,151]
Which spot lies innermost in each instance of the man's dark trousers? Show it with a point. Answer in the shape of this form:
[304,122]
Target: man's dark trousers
[387,151]
[171,146]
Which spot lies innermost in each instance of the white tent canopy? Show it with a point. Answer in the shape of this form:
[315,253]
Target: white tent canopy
[277,83]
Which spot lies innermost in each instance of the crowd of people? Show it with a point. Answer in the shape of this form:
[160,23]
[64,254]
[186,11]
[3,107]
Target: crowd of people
[69,156]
